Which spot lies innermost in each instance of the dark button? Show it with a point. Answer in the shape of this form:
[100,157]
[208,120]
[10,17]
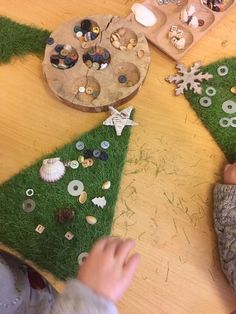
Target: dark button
[103,156]
[88,153]
[106,55]
[55,59]
[58,48]
[50,41]
[94,36]
[68,61]
[86,25]
[77,29]
[122,79]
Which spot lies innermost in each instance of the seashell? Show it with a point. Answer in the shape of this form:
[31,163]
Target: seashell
[116,44]
[106,185]
[123,48]
[143,15]
[83,197]
[91,220]
[194,22]
[52,169]
[140,53]
[180,44]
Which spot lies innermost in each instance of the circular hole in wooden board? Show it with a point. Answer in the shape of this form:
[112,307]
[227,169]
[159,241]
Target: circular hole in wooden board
[100,88]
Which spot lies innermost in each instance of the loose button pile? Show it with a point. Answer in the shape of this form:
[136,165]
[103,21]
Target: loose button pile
[64,57]
[97,58]
[86,30]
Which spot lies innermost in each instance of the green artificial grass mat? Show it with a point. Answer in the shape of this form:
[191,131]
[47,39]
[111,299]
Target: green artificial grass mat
[210,116]
[18,39]
[51,250]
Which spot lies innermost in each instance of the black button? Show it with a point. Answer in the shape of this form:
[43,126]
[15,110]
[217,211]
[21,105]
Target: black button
[86,25]
[68,61]
[50,41]
[58,48]
[88,153]
[103,156]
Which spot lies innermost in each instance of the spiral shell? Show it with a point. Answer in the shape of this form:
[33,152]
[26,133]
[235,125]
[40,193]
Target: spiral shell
[52,170]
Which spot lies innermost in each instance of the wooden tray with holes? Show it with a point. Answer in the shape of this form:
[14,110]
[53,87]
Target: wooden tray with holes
[169,14]
[88,85]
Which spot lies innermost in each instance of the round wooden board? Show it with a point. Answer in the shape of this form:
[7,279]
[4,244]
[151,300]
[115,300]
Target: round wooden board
[132,63]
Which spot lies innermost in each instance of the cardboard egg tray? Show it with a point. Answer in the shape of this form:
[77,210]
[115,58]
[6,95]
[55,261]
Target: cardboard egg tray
[169,14]
[83,84]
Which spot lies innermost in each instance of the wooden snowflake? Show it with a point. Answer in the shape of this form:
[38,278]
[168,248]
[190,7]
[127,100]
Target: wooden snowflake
[189,79]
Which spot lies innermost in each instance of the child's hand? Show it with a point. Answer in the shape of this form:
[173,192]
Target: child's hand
[108,270]
[230,174]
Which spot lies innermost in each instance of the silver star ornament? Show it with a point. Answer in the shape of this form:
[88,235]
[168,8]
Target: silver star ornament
[119,119]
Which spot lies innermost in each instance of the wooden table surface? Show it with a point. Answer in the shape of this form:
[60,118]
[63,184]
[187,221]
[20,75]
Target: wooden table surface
[165,201]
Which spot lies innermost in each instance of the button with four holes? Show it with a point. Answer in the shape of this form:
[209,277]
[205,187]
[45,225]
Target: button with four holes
[79,145]
[105,144]
[222,70]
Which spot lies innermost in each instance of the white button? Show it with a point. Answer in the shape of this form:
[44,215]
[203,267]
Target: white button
[229,106]
[222,70]
[224,122]
[233,122]
[205,101]
[29,192]
[82,257]
[75,187]
[79,145]
[74,164]
[105,144]
[82,89]
[210,91]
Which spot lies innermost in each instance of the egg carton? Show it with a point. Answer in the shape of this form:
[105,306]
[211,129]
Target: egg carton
[170,15]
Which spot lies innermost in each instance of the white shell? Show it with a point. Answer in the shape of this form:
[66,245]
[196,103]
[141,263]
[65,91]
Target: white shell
[143,15]
[52,169]
[91,220]
[191,10]
[106,185]
[194,22]
[180,43]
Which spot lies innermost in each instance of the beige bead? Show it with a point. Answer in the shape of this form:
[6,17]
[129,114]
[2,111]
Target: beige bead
[91,220]
[83,197]
[140,53]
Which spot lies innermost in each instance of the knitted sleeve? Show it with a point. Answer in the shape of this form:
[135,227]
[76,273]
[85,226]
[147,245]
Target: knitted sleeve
[79,299]
[225,226]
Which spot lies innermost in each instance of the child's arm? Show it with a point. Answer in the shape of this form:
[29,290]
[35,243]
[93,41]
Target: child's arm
[225,222]
[102,279]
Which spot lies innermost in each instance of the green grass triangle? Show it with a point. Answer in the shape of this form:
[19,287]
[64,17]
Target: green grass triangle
[51,250]
[18,39]
[210,116]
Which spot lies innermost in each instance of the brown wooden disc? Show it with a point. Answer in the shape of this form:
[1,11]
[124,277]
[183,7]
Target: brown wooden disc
[83,85]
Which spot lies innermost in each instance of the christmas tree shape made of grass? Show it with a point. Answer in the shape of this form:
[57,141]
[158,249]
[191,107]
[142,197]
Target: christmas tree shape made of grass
[211,116]
[50,250]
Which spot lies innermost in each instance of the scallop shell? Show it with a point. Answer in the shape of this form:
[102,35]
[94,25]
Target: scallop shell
[106,185]
[52,169]
[143,15]
[83,197]
[91,220]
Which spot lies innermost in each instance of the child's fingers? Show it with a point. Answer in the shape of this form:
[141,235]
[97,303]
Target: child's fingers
[112,245]
[100,244]
[123,249]
[131,265]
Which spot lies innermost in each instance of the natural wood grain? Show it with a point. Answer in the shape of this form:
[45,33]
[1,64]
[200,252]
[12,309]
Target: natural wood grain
[165,201]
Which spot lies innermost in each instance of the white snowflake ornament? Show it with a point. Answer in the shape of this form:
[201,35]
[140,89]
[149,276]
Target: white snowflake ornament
[99,201]
[190,79]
